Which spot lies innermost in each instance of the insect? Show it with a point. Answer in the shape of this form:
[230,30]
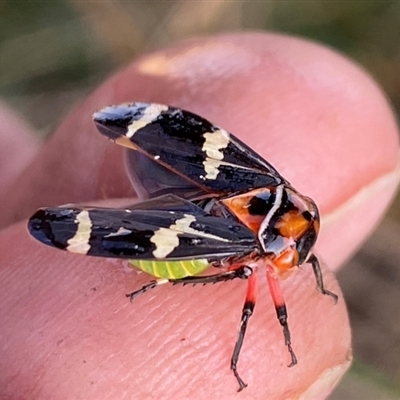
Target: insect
[211,201]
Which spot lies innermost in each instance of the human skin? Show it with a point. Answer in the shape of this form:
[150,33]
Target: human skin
[67,329]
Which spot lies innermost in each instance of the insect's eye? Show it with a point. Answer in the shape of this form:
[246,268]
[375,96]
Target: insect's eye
[305,243]
[308,216]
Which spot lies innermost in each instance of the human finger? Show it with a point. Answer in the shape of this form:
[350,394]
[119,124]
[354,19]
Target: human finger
[260,116]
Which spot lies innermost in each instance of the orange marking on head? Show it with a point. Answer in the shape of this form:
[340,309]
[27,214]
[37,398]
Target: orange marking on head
[292,224]
[285,262]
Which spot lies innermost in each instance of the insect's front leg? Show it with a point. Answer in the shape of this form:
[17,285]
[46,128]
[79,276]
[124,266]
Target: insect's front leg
[281,312]
[313,260]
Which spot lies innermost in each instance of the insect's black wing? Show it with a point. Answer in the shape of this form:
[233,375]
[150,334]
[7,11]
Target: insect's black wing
[168,202]
[187,145]
[158,229]
[151,179]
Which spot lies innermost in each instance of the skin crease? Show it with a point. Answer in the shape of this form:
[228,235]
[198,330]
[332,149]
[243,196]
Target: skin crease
[67,329]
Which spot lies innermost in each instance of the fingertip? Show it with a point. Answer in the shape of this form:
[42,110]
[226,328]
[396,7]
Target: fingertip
[322,122]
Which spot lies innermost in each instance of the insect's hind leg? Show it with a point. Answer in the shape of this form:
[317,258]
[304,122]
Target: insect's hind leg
[145,288]
[234,272]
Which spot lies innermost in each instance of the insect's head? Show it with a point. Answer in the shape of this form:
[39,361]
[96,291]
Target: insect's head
[286,223]
[291,231]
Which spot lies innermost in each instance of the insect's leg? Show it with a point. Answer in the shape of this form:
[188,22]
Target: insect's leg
[234,272]
[280,307]
[145,288]
[241,272]
[247,311]
[313,260]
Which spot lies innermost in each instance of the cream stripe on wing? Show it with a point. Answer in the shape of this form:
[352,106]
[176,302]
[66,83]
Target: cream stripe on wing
[166,239]
[79,243]
[165,242]
[213,144]
[150,114]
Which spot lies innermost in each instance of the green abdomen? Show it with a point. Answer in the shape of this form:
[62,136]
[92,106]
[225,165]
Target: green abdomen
[171,269]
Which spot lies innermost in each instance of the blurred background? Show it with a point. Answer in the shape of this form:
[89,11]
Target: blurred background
[52,53]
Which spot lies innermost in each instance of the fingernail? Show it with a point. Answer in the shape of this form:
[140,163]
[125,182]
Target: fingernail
[327,381]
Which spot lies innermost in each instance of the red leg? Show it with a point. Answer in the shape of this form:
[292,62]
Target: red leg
[280,307]
[247,311]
